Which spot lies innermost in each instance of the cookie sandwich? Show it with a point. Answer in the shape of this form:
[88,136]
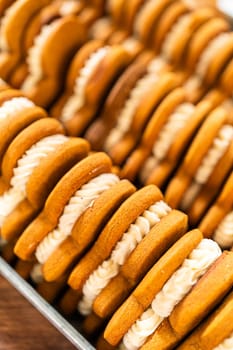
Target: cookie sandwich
[94,64]
[155,314]
[13,25]
[215,332]
[204,168]
[31,166]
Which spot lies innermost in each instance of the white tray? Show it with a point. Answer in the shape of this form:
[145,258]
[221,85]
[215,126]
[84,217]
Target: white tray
[44,308]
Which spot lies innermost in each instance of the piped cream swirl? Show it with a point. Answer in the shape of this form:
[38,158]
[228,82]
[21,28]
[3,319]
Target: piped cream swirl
[14,105]
[223,235]
[98,280]
[227,344]
[78,203]
[21,173]
[77,100]
[173,291]
[166,137]
[34,58]
[140,90]
[211,159]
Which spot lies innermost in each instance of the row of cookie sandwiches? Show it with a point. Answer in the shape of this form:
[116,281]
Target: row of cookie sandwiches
[43,33]
[17,112]
[48,235]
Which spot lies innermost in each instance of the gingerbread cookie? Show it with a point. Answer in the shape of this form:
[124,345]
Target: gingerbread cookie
[53,11]
[40,151]
[17,112]
[46,71]
[95,63]
[13,25]
[150,307]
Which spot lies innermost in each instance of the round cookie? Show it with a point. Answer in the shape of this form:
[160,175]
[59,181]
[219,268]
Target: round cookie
[44,18]
[46,71]
[150,305]
[216,332]
[86,229]
[64,205]
[204,167]
[218,221]
[13,25]
[119,223]
[93,64]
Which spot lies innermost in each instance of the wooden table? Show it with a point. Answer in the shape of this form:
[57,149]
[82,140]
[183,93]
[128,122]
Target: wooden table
[24,328]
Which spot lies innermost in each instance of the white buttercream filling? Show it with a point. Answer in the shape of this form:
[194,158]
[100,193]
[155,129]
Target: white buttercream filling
[77,100]
[8,17]
[214,47]
[34,58]
[78,203]
[223,235]
[140,90]
[98,280]
[173,291]
[23,170]
[211,159]
[68,7]
[227,344]
[14,105]
[176,122]
[175,34]
[36,273]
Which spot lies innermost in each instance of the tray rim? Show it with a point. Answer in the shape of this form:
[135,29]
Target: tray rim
[47,310]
